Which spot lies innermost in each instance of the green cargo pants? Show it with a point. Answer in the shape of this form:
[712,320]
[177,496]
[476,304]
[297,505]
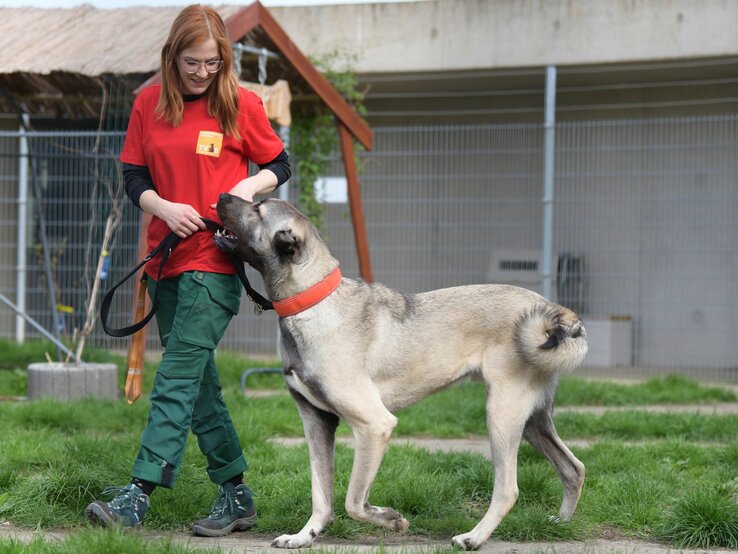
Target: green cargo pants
[194,311]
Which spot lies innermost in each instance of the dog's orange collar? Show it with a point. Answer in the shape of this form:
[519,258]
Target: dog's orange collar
[310,297]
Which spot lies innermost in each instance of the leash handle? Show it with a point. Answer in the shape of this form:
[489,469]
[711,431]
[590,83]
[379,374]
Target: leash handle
[134,376]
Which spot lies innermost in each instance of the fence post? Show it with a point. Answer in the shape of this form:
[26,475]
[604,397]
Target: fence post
[548,181]
[21,261]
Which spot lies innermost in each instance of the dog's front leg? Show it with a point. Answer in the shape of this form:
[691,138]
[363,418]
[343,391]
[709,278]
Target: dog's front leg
[371,435]
[320,433]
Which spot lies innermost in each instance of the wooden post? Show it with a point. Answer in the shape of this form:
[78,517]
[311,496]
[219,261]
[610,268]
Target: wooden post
[354,194]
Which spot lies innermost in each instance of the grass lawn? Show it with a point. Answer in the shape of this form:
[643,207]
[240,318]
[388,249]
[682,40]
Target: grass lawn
[671,478]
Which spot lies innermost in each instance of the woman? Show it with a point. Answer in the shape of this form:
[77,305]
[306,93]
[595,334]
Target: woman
[189,140]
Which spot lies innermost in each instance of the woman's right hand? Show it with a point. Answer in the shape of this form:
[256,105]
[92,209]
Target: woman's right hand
[182,219]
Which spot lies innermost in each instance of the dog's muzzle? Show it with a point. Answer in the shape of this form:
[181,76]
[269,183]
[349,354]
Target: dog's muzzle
[225,240]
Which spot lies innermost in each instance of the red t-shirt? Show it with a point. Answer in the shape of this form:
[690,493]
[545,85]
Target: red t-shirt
[192,164]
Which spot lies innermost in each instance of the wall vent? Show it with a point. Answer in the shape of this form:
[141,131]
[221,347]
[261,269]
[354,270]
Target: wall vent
[521,267]
[518,265]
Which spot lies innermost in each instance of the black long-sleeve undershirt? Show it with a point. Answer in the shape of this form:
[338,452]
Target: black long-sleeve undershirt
[137,178]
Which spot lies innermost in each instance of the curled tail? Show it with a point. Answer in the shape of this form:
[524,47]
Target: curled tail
[551,338]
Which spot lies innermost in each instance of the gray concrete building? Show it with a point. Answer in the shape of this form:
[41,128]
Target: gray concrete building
[480,60]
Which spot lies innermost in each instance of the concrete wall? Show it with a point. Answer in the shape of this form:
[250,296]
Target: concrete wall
[440,35]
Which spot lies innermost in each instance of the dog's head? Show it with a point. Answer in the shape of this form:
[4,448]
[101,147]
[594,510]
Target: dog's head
[276,239]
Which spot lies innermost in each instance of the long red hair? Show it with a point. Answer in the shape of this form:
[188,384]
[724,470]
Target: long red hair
[193,25]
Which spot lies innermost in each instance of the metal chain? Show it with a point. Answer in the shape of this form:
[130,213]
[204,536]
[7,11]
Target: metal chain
[263,66]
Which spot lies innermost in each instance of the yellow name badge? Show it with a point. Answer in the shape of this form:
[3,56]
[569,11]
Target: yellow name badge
[209,143]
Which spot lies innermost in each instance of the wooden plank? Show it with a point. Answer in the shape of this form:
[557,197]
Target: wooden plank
[322,87]
[243,21]
[357,213]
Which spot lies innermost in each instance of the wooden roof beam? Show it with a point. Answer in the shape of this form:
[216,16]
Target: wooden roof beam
[238,26]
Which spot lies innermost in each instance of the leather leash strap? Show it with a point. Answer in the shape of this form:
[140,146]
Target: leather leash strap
[167,245]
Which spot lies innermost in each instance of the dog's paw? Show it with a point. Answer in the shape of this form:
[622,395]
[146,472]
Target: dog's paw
[293,541]
[384,517]
[465,542]
[400,524]
[559,519]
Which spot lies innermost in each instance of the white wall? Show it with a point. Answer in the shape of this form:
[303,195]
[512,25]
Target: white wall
[439,35]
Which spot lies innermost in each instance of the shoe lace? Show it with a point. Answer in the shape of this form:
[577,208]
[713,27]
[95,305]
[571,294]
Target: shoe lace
[225,503]
[123,497]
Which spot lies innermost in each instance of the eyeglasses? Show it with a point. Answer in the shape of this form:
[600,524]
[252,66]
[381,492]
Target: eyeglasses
[193,66]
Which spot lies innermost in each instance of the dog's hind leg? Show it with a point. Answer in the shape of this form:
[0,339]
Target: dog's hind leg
[320,428]
[372,425]
[541,433]
[509,403]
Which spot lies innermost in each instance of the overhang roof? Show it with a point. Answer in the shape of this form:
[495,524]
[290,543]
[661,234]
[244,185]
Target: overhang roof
[85,40]
[52,52]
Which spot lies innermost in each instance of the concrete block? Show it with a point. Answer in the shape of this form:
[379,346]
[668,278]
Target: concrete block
[70,381]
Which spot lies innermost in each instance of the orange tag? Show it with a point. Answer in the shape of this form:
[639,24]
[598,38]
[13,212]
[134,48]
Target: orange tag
[209,143]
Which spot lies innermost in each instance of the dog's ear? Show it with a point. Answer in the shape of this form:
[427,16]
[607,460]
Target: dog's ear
[286,244]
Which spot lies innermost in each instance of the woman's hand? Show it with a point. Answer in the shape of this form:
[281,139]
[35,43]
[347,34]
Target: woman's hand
[182,219]
[261,183]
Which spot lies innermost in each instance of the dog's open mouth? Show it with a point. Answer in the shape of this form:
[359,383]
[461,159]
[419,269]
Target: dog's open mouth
[225,240]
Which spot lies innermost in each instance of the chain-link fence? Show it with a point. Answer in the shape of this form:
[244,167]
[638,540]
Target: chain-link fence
[645,230]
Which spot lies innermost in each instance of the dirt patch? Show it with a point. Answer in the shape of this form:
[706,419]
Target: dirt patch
[240,543]
[722,408]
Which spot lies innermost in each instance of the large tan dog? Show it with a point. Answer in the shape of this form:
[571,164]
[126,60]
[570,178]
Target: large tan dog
[366,351]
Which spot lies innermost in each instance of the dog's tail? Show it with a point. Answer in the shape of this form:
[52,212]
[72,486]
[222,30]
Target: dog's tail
[551,338]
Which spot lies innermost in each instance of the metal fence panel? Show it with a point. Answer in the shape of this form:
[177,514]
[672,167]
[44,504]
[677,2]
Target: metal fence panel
[651,209]
[645,229]
[68,174]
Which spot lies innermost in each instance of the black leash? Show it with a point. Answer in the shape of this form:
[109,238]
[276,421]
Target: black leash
[167,245]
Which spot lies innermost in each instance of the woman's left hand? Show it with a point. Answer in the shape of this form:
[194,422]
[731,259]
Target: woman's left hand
[261,183]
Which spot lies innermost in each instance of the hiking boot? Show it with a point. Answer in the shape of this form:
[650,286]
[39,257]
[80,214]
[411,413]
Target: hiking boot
[127,509]
[233,510]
